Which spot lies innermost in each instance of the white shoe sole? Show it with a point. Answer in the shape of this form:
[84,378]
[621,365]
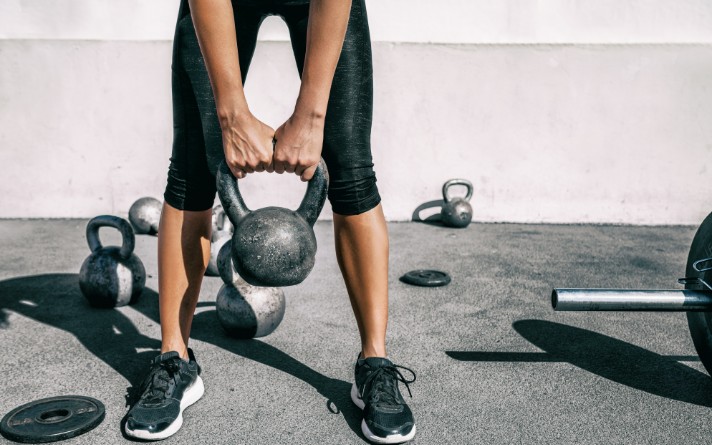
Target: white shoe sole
[393,438]
[191,395]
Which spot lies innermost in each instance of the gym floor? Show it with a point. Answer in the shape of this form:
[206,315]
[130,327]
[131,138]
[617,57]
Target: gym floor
[494,362]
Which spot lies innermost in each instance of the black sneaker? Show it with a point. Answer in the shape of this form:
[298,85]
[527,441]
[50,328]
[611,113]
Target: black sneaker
[386,417]
[171,386]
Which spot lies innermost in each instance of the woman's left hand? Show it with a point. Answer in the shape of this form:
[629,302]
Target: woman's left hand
[298,145]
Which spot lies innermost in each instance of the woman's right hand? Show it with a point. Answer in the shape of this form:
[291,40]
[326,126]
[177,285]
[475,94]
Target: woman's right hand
[247,143]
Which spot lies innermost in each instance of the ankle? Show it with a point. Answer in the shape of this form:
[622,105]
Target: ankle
[371,351]
[181,349]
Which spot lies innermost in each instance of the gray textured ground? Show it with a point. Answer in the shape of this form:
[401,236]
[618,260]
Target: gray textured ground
[495,364]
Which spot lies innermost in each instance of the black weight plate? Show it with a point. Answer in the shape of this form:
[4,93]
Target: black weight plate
[425,277]
[700,323]
[52,419]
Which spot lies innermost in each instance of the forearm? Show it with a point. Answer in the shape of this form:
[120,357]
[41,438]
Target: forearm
[215,29]
[328,20]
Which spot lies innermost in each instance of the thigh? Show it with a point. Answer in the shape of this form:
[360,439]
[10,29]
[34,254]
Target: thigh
[188,63]
[347,133]
[190,184]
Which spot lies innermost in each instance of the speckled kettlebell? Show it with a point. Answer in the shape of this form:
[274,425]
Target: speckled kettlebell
[456,212]
[222,232]
[246,311]
[145,215]
[273,246]
[111,276]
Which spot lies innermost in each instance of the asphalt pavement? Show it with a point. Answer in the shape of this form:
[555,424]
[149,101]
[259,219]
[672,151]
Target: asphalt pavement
[495,364]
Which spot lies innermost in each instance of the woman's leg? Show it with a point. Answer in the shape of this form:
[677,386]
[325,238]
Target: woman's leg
[183,254]
[359,225]
[184,235]
[362,253]
[360,229]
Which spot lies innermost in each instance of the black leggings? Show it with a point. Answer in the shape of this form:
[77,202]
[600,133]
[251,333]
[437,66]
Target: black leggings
[197,141]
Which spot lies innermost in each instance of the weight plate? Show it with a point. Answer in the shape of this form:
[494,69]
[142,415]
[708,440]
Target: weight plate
[52,419]
[425,277]
[700,323]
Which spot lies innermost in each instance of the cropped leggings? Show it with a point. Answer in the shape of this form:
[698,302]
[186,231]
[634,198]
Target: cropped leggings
[197,140]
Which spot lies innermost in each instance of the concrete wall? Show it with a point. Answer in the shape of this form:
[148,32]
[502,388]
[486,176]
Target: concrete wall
[558,111]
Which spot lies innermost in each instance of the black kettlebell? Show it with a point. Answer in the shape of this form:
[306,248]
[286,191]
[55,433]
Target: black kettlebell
[273,246]
[456,212]
[246,311]
[111,276]
[222,233]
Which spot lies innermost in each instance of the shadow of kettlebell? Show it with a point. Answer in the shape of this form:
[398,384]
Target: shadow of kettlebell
[434,219]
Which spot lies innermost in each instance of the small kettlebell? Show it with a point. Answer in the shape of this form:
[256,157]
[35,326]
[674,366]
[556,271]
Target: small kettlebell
[222,232]
[273,246]
[456,212]
[246,311]
[111,276]
[145,215]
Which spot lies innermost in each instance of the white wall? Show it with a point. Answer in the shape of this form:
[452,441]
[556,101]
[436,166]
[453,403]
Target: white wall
[609,123]
[422,21]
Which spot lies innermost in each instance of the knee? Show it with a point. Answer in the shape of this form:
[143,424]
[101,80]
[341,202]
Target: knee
[353,193]
[194,194]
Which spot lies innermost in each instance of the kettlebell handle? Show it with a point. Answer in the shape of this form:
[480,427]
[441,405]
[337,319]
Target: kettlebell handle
[450,183]
[235,206]
[128,239]
[315,196]
[229,194]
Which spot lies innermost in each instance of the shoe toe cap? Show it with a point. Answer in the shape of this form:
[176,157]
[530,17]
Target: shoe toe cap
[388,421]
[152,427]
[392,430]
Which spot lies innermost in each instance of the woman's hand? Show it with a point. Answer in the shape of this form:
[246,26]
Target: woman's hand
[247,143]
[298,145]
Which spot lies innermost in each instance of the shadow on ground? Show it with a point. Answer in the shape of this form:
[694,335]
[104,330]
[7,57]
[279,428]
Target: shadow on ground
[337,392]
[607,357]
[55,300]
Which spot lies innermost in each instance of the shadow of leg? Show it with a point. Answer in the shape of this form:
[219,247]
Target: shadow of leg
[55,300]
[337,392]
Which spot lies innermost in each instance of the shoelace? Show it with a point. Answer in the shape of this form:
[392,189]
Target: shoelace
[384,383]
[158,381]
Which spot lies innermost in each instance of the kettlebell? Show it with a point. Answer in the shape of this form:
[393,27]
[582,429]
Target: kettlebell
[456,212]
[145,215]
[246,311]
[222,232]
[273,246]
[111,276]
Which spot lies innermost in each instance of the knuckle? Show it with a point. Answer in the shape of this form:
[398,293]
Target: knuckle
[234,161]
[309,161]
